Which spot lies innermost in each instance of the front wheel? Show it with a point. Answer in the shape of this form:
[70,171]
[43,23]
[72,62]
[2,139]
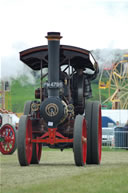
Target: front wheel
[24,145]
[80,141]
[36,153]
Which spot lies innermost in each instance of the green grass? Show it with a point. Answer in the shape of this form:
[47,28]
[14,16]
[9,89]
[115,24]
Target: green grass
[20,93]
[57,173]
[95,91]
[111,149]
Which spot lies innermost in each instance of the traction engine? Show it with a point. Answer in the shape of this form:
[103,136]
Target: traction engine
[60,116]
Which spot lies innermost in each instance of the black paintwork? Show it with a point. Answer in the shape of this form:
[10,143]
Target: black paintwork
[78,57]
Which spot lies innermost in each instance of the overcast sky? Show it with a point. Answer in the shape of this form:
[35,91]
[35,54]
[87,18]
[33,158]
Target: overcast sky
[89,24]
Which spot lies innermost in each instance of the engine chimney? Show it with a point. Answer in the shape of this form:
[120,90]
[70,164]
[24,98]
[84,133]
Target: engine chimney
[52,109]
[53,63]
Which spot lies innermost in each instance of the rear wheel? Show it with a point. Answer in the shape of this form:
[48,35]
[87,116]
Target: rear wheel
[88,117]
[8,139]
[24,141]
[80,141]
[36,153]
[27,107]
[94,132]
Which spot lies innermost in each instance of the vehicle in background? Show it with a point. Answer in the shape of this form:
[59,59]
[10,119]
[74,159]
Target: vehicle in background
[108,126]
[107,122]
[108,136]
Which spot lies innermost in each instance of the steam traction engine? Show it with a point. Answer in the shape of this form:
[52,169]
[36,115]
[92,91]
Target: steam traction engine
[61,117]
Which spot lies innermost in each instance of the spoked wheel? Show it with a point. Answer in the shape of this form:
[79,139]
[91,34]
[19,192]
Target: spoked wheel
[94,132]
[7,139]
[80,141]
[24,141]
[36,153]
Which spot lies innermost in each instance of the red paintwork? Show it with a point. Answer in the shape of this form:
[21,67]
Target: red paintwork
[99,134]
[8,134]
[28,145]
[84,143]
[38,150]
[52,137]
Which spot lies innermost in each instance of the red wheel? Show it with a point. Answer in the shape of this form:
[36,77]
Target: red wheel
[84,141]
[94,132]
[8,139]
[36,153]
[80,141]
[27,107]
[100,134]
[24,145]
[88,117]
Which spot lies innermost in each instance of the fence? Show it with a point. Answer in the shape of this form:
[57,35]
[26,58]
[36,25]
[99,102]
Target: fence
[115,138]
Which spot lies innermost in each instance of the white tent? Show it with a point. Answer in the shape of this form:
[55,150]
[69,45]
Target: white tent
[9,117]
[116,115]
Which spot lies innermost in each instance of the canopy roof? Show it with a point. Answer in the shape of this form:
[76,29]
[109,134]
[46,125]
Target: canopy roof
[78,57]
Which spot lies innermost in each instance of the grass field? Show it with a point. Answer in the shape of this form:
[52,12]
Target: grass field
[20,94]
[57,173]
